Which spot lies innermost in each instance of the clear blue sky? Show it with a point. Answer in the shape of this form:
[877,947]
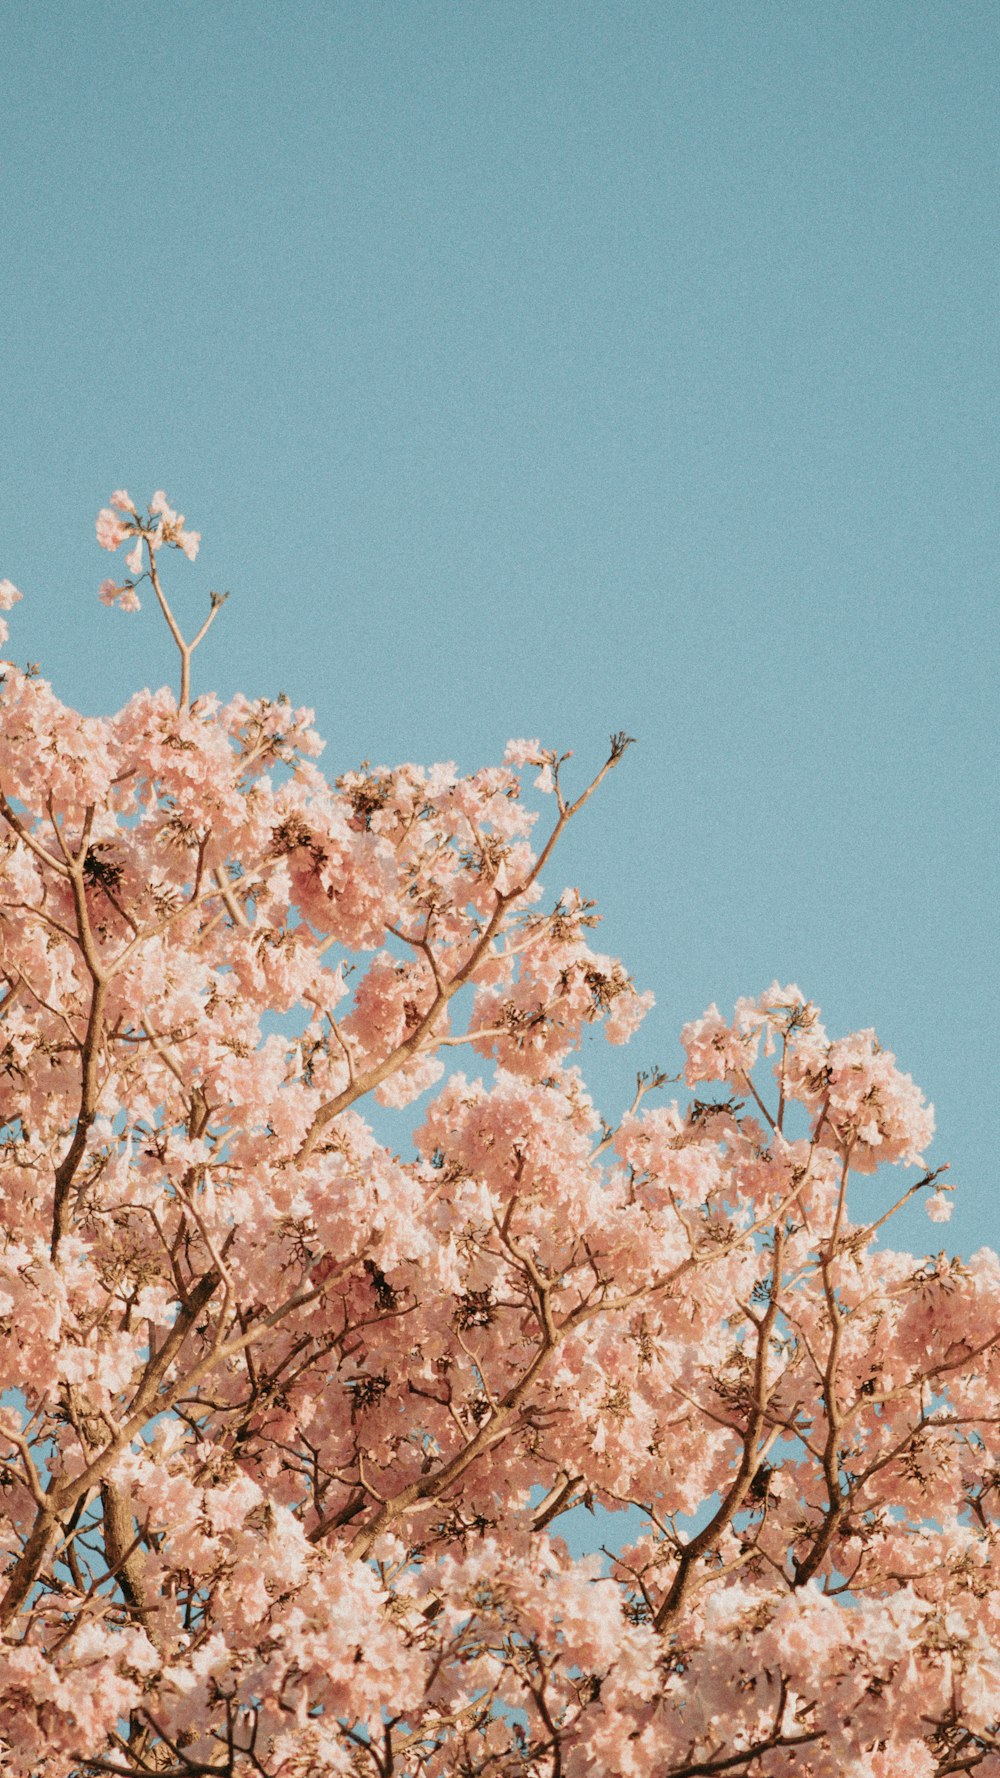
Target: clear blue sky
[552,369]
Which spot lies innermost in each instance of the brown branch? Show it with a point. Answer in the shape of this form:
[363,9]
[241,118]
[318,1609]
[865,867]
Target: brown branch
[676,1596]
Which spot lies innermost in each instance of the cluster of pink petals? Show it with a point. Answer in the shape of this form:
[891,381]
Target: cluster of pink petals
[313,1399]
[532,753]
[871,1108]
[9,597]
[171,527]
[124,596]
[717,1050]
[863,1104]
[121,520]
[524,753]
[112,529]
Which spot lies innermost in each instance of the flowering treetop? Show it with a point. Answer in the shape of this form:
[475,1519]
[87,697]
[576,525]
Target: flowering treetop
[291,1420]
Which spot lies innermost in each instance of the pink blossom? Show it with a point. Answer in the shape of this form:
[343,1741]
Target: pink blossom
[110,530]
[521,753]
[171,526]
[627,1013]
[717,1051]
[9,595]
[125,597]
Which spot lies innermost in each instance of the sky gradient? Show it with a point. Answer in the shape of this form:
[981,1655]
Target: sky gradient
[546,370]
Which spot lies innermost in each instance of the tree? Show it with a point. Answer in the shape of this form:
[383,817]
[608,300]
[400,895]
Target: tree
[290,1421]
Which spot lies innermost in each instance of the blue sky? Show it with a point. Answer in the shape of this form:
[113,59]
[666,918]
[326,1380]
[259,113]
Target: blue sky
[551,369]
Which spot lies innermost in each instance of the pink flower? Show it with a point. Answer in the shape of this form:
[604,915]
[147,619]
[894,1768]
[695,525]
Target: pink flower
[163,526]
[524,753]
[125,597]
[717,1051]
[171,528]
[939,1207]
[110,530]
[627,1013]
[9,595]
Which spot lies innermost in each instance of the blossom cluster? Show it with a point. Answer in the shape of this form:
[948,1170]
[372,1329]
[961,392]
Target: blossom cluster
[120,521]
[294,1415]
[9,596]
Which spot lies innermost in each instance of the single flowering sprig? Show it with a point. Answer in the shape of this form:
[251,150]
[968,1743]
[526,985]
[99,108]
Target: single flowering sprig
[9,597]
[532,753]
[162,527]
